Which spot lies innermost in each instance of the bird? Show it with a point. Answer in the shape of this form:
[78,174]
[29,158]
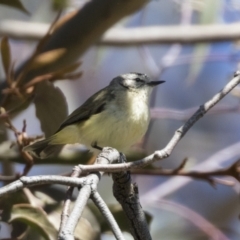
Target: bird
[116,116]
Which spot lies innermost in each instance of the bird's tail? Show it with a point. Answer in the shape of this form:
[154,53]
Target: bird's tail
[43,149]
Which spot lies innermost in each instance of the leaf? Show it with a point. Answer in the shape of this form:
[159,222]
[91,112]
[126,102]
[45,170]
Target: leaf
[58,5]
[6,204]
[6,55]
[208,16]
[47,58]
[35,218]
[69,68]
[51,107]
[15,4]
[8,201]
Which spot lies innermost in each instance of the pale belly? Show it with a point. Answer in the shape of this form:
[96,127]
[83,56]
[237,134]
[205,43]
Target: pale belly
[115,131]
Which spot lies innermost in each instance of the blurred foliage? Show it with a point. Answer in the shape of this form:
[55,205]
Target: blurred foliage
[38,213]
[35,214]
[14,4]
[208,14]
[58,5]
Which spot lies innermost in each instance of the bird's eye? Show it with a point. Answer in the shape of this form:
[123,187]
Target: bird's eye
[138,80]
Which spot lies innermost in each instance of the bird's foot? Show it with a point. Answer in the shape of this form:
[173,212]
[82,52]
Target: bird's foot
[122,158]
[94,145]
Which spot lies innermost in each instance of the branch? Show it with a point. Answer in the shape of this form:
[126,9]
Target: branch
[103,208]
[66,206]
[172,34]
[233,171]
[133,36]
[39,180]
[165,152]
[21,140]
[81,31]
[126,193]
[67,232]
[88,188]
[212,232]
[183,115]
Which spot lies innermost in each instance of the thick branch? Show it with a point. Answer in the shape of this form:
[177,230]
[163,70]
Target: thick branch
[172,34]
[132,36]
[77,32]
[127,195]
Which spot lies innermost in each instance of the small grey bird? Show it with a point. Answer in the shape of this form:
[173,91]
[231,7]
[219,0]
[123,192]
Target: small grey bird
[116,116]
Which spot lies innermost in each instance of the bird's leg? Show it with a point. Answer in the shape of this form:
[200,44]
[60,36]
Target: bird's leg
[94,145]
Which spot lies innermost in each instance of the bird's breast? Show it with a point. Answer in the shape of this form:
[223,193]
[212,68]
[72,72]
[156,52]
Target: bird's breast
[119,125]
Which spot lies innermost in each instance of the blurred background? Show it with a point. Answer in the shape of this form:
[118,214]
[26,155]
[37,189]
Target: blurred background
[180,207]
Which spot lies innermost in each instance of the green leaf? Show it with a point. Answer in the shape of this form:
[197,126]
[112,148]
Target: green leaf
[35,218]
[15,4]
[6,55]
[51,107]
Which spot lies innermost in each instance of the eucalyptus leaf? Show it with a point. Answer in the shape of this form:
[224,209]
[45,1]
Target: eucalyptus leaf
[35,218]
[51,107]
[208,15]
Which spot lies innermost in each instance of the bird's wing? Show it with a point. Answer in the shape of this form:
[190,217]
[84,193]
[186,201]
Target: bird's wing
[94,105]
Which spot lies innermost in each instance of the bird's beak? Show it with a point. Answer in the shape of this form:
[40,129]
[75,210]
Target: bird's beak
[154,83]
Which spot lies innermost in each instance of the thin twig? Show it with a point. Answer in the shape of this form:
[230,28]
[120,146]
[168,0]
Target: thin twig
[89,186]
[66,206]
[39,180]
[67,232]
[22,140]
[183,115]
[179,133]
[212,232]
[232,171]
[103,208]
